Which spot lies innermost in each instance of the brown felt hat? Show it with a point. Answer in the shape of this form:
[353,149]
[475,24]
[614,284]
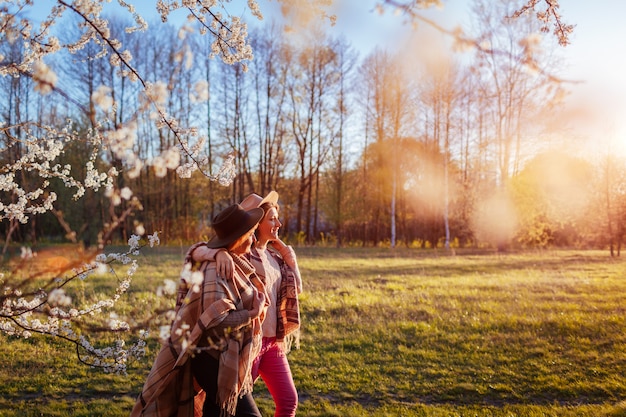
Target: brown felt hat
[255,200]
[232,223]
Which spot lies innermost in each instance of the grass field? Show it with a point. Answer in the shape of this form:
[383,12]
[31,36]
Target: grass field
[392,333]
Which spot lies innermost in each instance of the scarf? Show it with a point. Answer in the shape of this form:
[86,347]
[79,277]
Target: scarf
[287,305]
[169,389]
[234,377]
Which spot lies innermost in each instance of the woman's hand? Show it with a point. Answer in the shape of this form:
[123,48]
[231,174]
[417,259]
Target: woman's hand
[258,304]
[225,265]
[279,245]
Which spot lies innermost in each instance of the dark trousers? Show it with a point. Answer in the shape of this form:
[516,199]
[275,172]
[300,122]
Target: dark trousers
[205,369]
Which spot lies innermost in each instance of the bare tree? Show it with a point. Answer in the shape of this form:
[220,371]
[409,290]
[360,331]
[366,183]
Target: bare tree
[339,119]
[311,81]
[441,96]
[613,195]
[374,71]
[270,71]
[389,110]
[512,90]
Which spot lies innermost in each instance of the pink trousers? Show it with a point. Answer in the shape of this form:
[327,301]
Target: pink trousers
[272,366]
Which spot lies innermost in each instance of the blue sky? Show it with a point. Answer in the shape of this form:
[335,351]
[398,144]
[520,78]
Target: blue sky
[595,59]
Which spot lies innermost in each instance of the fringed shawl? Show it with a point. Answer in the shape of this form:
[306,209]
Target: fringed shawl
[169,389]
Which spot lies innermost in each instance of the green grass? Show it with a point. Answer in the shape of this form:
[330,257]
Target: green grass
[392,333]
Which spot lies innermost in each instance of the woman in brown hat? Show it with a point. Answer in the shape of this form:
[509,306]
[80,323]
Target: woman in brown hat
[275,263]
[216,333]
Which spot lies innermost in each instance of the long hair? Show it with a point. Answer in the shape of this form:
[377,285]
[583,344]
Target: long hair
[266,208]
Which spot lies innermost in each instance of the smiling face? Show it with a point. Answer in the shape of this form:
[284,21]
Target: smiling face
[269,225]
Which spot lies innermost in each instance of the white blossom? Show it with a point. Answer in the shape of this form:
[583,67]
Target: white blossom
[102,97]
[159,165]
[140,230]
[135,170]
[26,253]
[153,239]
[126,193]
[101,268]
[168,288]
[133,242]
[57,297]
[171,158]
[200,92]
[164,333]
[157,92]
[45,79]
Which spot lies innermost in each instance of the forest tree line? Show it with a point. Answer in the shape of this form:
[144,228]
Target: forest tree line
[404,147]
